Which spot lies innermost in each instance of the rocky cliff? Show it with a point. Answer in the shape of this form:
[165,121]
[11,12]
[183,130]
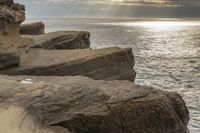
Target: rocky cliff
[57,100]
[105,64]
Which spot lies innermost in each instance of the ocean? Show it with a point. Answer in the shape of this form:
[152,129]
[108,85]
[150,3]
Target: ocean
[167,52]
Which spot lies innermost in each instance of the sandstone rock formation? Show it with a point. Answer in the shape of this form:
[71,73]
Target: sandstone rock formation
[62,40]
[8,60]
[36,28]
[11,15]
[7,2]
[83,105]
[107,64]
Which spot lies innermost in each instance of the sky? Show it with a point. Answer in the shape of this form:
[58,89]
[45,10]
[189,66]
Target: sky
[112,8]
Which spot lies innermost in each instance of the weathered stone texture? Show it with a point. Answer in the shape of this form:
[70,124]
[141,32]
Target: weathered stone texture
[62,40]
[6,2]
[36,28]
[11,15]
[83,105]
[8,60]
[107,64]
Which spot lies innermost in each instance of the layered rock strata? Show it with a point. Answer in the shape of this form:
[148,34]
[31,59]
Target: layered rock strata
[8,60]
[83,105]
[61,40]
[36,28]
[107,64]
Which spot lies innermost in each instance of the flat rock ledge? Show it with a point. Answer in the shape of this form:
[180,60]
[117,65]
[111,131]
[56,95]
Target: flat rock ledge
[61,40]
[108,64]
[36,28]
[82,105]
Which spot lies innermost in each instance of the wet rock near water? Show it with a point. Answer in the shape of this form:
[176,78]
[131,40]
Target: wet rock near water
[36,28]
[108,64]
[83,105]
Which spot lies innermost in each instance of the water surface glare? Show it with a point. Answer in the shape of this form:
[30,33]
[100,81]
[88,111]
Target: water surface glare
[167,53]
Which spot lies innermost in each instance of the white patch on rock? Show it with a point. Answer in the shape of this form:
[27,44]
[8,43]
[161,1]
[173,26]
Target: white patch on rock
[27,81]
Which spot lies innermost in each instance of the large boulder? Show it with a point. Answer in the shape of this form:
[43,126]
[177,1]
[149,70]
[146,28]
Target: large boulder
[108,63]
[36,28]
[11,15]
[83,105]
[61,40]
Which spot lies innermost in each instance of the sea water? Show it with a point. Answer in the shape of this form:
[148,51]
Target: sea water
[167,52]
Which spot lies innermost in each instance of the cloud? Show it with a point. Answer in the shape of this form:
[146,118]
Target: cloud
[122,2]
[112,8]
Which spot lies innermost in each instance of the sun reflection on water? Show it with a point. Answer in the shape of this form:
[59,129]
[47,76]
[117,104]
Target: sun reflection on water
[163,24]
[160,24]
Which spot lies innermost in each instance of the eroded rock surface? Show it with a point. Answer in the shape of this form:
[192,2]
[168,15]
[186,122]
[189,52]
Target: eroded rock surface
[62,40]
[108,63]
[83,105]
[11,15]
[8,60]
[6,2]
[36,28]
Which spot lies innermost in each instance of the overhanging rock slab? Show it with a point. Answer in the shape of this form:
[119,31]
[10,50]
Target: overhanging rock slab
[107,64]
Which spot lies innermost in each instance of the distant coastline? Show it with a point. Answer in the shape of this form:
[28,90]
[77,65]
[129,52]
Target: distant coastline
[148,19]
